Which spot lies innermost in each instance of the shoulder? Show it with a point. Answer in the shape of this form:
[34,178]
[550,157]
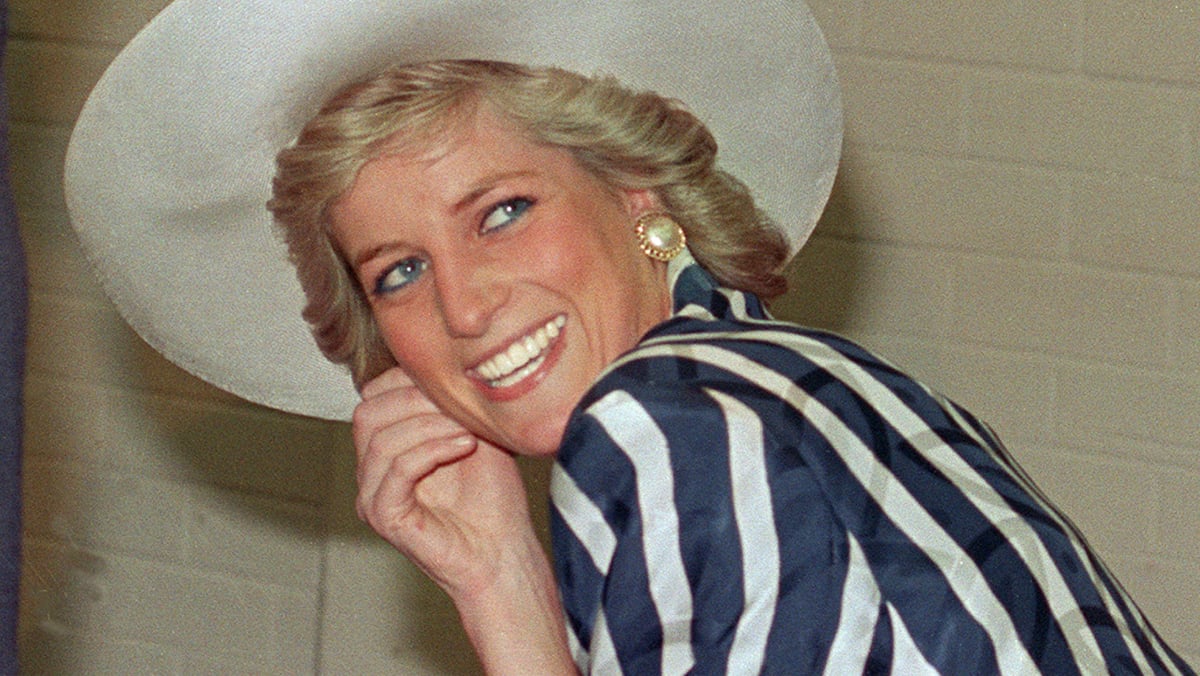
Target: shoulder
[684,362]
[694,390]
[695,384]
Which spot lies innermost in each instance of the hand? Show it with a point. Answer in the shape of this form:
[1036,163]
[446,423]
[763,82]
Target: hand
[450,502]
[455,506]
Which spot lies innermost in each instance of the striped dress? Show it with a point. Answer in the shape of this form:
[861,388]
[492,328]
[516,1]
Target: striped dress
[739,495]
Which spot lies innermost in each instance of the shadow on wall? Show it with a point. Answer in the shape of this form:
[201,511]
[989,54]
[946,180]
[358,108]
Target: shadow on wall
[825,277]
[165,519]
[174,527]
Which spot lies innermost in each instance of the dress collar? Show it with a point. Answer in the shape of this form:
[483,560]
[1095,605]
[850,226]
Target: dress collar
[695,292]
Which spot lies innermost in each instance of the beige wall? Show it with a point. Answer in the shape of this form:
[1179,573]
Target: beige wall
[1016,222]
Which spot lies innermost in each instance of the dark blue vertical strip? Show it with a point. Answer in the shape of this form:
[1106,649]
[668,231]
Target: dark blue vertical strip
[13,309]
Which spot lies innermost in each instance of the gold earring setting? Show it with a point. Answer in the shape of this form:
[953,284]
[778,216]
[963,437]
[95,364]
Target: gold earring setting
[659,236]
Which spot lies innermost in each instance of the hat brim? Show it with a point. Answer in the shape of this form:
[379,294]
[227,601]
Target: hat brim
[169,166]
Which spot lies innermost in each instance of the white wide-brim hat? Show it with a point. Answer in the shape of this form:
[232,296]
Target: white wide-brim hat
[170,164]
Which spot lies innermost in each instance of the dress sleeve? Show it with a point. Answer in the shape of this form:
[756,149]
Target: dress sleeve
[839,518]
[665,544]
[972,569]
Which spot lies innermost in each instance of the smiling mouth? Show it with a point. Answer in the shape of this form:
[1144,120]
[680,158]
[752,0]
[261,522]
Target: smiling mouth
[522,358]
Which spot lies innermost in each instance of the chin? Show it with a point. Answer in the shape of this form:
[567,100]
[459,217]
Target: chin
[539,448]
[536,427]
[540,440]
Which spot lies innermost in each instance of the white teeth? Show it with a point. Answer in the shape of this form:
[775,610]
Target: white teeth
[522,357]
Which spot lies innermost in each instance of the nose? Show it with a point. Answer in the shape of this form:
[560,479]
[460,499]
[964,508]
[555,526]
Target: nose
[469,293]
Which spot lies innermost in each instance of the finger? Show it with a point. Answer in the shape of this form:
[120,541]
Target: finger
[377,449]
[388,408]
[390,379]
[391,500]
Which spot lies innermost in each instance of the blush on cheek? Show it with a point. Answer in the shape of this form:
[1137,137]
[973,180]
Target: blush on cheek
[563,262]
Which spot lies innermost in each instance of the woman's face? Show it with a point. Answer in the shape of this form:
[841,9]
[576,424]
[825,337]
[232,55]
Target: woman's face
[502,275]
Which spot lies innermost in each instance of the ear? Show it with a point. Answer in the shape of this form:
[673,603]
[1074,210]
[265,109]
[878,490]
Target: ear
[642,201]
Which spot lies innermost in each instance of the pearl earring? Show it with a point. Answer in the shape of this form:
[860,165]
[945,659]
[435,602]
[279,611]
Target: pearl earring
[659,236]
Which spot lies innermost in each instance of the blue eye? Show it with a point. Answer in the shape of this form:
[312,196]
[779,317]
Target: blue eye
[504,213]
[400,275]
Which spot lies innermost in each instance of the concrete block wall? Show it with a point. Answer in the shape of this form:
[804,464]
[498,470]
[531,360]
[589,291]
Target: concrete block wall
[1015,222]
[169,528]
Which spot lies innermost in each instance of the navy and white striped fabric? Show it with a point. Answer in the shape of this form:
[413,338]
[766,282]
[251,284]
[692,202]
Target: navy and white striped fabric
[740,495]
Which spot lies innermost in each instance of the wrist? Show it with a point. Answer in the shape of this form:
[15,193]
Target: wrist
[514,618]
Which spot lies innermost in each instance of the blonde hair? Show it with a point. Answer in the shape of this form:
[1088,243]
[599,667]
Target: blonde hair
[628,139]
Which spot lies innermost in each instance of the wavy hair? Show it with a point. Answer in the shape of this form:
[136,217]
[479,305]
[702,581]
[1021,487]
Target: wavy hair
[628,139]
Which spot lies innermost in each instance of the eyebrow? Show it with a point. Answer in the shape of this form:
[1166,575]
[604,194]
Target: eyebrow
[481,188]
[373,253]
[486,185]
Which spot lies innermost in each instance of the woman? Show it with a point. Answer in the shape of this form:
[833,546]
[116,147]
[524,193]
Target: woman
[731,494]
[518,260]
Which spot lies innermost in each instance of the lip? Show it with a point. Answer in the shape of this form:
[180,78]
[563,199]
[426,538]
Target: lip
[526,384]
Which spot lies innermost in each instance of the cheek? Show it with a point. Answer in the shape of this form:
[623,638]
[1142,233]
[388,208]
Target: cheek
[582,242]
[586,252]
[411,338]
[559,262]
[422,358]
